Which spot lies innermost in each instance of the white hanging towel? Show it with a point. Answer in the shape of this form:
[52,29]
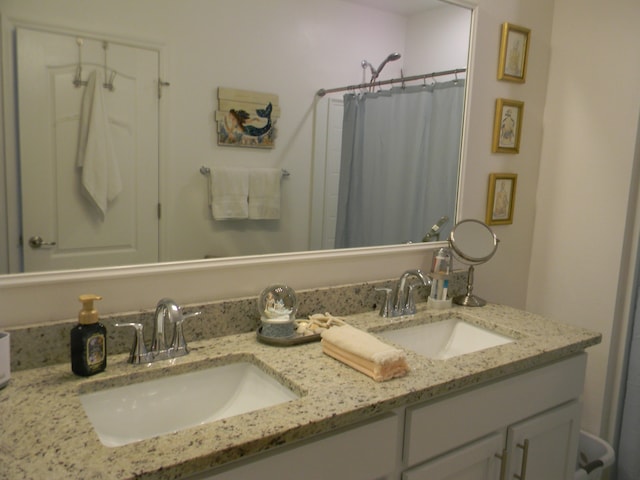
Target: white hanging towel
[230,190]
[264,194]
[96,155]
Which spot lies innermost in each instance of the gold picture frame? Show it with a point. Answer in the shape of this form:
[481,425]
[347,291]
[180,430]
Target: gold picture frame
[514,50]
[501,198]
[507,126]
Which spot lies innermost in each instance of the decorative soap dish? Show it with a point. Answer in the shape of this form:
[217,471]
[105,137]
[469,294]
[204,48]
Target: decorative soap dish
[295,339]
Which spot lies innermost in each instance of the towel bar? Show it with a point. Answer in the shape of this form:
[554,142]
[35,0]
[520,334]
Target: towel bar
[207,171]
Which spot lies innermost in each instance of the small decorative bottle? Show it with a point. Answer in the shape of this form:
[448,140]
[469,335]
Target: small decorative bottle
[88,340]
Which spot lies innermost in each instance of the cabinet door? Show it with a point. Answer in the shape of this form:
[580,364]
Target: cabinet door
[479,460]
[545,446]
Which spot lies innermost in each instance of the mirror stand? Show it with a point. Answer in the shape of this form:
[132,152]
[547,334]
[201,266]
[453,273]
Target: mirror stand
[473,243]
[469,299]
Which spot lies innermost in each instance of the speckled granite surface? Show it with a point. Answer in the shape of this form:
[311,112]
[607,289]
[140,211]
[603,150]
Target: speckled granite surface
[45,433]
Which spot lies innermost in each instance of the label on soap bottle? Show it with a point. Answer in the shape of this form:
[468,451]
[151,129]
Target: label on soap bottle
[95,350]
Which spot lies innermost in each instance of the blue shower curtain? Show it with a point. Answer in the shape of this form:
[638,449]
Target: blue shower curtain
[628,442]
[399,167]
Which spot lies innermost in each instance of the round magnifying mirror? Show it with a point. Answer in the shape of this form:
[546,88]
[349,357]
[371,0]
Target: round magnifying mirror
[473,243]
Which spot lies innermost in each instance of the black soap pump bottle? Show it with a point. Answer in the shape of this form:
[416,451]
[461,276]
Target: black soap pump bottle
[88,340]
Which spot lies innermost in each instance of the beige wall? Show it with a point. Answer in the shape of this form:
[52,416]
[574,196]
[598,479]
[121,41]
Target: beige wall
[504,278]
[569,251]
[582,240]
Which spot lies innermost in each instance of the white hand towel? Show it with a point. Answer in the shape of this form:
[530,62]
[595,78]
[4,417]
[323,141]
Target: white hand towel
[264,194]
[230,191]
[96,155]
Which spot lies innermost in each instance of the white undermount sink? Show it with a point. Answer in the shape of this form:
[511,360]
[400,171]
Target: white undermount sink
[445,339]
[127,414]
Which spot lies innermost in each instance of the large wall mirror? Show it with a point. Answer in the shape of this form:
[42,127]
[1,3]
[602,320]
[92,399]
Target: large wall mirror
[166,60]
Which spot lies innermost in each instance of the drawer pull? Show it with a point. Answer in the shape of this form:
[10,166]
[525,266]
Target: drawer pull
[525,454]
[503,463]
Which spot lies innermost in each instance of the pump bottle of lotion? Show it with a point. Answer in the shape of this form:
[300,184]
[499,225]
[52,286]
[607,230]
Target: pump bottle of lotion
[88,340]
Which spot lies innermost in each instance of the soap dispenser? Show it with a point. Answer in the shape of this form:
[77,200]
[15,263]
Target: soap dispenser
[88,340]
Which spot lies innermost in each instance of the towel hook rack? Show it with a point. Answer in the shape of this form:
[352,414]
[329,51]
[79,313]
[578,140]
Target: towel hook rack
[109,74]
[77,79]
[108,84]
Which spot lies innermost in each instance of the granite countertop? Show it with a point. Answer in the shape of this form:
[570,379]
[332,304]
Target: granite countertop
[46,434]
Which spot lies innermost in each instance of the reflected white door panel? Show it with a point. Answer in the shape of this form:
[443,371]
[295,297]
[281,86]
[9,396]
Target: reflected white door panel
[54,207]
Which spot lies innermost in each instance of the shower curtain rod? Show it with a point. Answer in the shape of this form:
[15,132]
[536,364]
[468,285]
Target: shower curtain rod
[322,92]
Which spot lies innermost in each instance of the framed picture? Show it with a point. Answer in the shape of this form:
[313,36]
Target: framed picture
[501,198]
[246,118]
[514,47]
[507,126]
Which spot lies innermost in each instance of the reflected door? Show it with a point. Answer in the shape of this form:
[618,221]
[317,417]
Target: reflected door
[61,227]
[326,172]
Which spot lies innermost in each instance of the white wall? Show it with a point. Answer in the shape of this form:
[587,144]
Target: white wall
[284,47]
[504,278]
[581,251]
[437,40]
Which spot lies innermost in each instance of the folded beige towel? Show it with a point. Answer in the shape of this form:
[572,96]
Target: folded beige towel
[364,352]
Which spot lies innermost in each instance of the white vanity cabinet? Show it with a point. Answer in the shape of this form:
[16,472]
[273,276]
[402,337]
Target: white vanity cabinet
[528,425]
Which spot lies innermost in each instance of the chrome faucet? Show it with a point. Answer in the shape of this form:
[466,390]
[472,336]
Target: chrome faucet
[166,309]
[399,300]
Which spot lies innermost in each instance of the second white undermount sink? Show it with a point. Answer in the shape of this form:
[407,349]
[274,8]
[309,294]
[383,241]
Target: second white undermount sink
[445,339]
[127,414]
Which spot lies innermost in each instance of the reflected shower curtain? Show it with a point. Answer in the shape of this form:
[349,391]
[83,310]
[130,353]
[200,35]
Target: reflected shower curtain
[399,166]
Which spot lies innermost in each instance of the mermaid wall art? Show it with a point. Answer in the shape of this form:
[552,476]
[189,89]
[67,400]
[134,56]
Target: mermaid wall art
[246,119]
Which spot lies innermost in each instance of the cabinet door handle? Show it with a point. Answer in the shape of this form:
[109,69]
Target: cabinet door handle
[523,466]
[503,463]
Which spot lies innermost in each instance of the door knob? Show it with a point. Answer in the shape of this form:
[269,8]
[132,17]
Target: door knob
[38,242]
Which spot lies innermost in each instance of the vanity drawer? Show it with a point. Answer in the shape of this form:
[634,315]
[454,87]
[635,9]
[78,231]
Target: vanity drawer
[365,451]
[437,427]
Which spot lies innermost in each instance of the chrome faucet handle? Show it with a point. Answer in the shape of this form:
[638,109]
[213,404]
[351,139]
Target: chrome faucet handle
[387,305]
[138,353]
[178,343]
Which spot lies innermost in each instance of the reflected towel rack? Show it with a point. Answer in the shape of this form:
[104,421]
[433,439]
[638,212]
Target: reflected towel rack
[206,171]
